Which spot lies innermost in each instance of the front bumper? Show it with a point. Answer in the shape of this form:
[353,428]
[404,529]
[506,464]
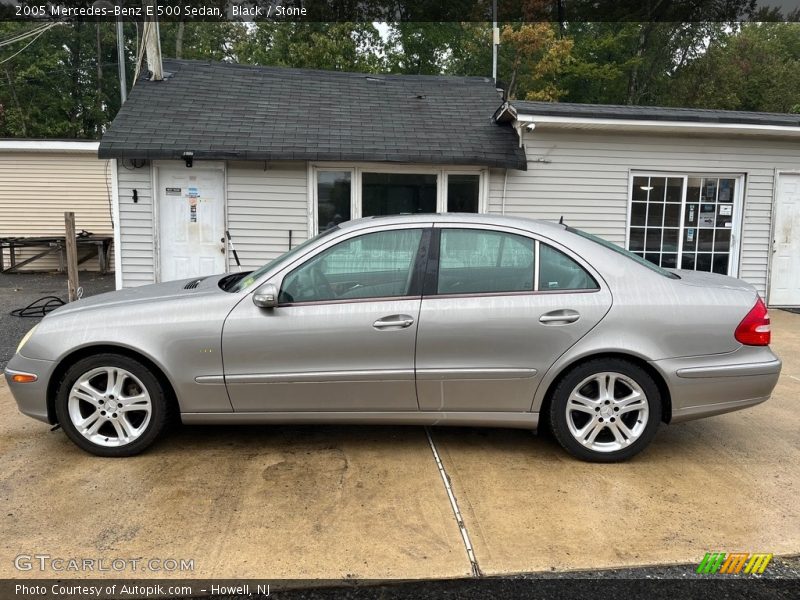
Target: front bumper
[703,386]
[31,397]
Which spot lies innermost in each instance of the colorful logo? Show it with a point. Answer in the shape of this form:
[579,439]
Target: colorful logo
[734,563]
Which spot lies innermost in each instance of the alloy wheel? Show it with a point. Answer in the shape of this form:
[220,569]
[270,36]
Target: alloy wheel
[607,412]
[109,406]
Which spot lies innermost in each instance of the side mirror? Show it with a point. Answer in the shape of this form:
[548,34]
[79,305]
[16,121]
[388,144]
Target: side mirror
[266,296]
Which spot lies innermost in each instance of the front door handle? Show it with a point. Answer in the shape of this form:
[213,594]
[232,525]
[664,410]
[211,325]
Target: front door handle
[394,322]
[557,317]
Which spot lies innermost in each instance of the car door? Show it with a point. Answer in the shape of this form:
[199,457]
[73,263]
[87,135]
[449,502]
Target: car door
[498,308]
[342,336]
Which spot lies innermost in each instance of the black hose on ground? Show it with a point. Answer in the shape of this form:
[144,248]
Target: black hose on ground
[39,308]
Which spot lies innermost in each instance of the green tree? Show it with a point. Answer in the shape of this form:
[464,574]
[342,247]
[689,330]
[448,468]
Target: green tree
[332,46]
[533,57]
[202,40]
[64,84]
[629,62]
[755,67]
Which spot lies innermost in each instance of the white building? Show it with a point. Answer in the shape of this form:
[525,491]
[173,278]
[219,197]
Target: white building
[276,155]
[39,181]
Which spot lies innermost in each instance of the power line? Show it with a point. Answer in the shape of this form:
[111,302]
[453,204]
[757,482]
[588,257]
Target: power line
[5,60]
[22,36]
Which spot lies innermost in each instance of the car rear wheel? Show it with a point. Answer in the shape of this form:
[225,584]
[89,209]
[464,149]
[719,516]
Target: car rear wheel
[111,405]
[605,410]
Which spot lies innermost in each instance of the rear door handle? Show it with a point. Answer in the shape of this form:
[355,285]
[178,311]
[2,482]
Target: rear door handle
[394,322]
[560,317]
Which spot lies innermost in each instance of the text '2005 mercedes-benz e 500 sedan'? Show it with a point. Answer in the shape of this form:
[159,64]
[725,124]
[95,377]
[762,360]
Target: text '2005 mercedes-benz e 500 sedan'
[424,319]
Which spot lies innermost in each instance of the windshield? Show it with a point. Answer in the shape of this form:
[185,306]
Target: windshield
[623,252]
[251,278]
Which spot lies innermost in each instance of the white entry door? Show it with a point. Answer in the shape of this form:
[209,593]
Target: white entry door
[191,221]
[785,281]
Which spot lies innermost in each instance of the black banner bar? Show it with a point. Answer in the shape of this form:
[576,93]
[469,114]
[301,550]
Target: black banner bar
[484,588]
[562,11]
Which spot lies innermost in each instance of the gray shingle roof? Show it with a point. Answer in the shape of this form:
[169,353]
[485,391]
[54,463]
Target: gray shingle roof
[654,113]
[228,111]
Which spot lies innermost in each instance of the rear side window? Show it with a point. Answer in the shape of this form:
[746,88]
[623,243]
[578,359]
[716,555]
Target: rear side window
[557,271]
[474,261]
[623,252]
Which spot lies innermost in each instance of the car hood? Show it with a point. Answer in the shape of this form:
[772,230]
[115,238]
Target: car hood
[146,293]
[714,280]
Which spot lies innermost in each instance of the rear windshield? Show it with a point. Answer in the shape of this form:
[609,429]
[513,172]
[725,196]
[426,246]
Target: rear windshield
[623,252]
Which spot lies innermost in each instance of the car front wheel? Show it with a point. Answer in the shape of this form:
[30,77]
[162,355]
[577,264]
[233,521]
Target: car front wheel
[605,410]
[111,405]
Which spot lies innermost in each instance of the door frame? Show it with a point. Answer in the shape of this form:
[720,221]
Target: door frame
[773,218]
[734,261]
[154,177]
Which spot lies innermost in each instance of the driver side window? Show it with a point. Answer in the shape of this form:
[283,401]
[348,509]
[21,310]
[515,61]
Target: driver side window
[373,265]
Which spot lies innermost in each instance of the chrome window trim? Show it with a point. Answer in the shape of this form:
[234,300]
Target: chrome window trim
[538,239]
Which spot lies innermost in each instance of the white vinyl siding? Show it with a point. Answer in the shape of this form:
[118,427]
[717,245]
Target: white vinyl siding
[37,188]
[266,201]
[583,176]
[136,224]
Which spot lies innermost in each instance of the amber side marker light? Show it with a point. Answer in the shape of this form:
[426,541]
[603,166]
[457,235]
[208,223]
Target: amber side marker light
[23,378]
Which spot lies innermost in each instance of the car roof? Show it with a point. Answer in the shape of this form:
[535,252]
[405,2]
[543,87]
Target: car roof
[533,225]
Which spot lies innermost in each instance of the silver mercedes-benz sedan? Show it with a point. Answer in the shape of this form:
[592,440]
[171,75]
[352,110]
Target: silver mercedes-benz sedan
[424,319]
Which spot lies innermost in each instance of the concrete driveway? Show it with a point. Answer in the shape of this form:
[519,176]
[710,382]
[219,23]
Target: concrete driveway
[371,502]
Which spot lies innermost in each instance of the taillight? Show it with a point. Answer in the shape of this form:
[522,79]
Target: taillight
[754,329]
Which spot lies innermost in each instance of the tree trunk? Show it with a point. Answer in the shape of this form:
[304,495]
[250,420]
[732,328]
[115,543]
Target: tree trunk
[75,92]
[633,78]
[16,102]
[179,39]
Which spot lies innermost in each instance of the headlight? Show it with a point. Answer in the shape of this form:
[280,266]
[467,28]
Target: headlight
[26,338]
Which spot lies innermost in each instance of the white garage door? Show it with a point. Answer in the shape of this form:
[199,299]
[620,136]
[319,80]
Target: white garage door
[191,215]
[784,287]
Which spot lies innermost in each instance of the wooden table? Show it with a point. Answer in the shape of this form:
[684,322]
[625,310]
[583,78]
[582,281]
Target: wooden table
[96,245]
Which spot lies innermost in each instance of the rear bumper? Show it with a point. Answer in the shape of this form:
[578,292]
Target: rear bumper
[703,386]
[31,397]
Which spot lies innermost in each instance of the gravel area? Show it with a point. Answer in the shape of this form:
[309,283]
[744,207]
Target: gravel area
[17,290]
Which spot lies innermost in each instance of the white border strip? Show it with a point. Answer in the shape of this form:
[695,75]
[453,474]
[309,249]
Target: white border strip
[476,571]
[49,145]
[115,213]
[654,124]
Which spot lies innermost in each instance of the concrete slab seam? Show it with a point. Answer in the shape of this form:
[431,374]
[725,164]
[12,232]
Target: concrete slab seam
[474,567]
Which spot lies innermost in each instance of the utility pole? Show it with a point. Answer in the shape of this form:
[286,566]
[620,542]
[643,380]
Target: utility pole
[123,82]
[72,256]
[495,40]
[153,41]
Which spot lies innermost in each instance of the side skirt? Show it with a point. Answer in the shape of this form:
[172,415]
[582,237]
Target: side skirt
[460,419]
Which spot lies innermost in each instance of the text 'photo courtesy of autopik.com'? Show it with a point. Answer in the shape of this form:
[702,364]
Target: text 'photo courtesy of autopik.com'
[321,299]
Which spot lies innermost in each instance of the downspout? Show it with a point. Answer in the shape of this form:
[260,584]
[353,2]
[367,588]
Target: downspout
[505,183]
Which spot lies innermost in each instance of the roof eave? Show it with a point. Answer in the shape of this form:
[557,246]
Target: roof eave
[663,126]
[110,151]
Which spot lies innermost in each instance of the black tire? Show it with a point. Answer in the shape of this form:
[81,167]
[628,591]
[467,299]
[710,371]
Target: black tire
[558,418]
[159,412]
